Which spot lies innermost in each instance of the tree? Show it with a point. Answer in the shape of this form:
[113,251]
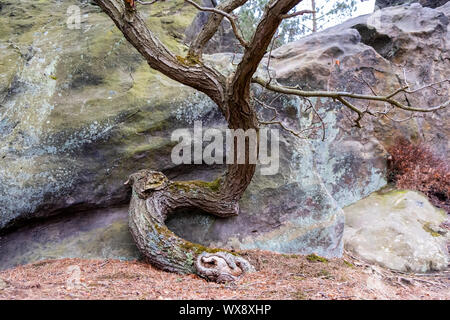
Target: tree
[154,196]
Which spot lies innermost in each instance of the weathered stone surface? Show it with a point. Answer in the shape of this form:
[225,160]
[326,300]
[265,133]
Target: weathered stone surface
[98,114]
[223,41]
[80,111]
[376,52]
[425,3]
[398,230]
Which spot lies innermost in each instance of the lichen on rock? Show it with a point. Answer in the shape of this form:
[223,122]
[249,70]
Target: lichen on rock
[80,111]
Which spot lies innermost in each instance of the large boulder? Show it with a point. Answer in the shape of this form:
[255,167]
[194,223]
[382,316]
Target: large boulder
[80,111]
[399,230]
[78,106]
[101,234]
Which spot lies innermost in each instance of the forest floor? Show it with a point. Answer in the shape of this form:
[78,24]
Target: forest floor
[277,277]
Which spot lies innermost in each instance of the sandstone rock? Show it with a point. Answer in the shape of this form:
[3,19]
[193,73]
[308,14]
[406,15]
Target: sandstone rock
[78,106]
[3,284]
[397,230]
[102,114]
[223,41]
[379,50]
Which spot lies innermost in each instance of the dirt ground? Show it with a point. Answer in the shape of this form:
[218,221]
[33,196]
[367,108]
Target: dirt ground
[277,277]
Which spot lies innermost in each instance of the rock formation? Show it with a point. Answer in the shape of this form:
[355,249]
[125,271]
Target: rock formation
[80,111]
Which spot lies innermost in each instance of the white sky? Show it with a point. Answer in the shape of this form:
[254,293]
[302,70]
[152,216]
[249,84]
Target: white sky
[364,8]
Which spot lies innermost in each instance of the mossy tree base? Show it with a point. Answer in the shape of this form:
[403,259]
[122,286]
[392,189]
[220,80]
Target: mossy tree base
[154,198]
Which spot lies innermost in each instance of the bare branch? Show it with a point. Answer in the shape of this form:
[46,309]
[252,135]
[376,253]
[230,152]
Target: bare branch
[269,59]
[368,85]
[261,40]
[158,56]
[353,108]
[146,3]
[405,89]
[318,116]
[412,116]
[283,126]
[266,106]
[212,25]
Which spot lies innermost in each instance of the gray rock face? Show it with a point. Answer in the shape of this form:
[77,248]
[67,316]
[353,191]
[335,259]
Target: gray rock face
[425,3]
[397,230]
[80,111]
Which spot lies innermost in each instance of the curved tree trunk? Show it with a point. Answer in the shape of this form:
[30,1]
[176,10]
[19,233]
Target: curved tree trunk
[155,198]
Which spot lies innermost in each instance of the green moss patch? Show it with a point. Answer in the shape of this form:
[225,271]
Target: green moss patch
[315,258]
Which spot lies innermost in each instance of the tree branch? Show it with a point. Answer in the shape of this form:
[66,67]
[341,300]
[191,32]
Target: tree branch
[284,127]
[146,3]
[211,26]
